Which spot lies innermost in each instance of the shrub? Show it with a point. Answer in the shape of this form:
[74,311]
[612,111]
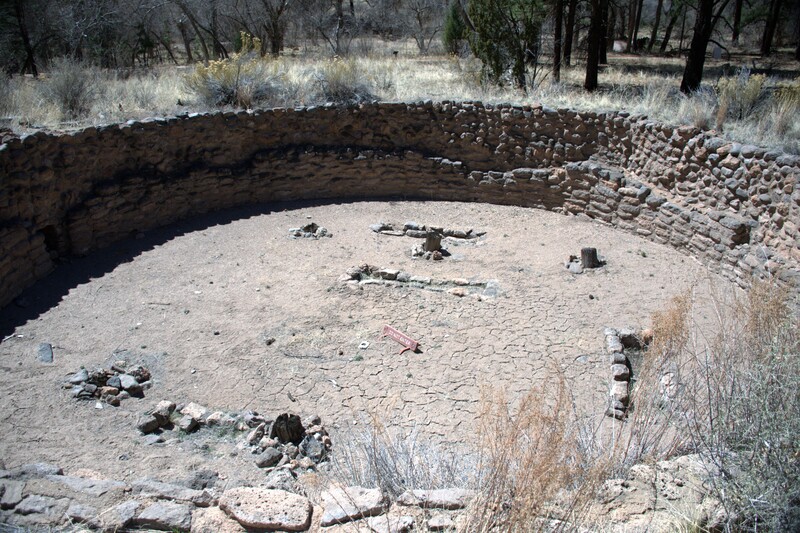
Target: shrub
[454,32]
[72,87]
[371,455]
[738,96]
[341,81]
[538,466]
[244,79]
[734,398]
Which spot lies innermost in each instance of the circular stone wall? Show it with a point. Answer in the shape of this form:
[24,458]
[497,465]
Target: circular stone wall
[734,207]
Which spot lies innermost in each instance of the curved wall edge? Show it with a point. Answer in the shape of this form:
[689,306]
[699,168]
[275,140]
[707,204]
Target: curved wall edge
[734,207]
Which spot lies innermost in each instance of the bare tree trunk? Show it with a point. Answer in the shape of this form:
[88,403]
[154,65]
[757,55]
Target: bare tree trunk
[683,31]
[654,33]
[339,25]
[603,59]
[631,22]
[187,42]
[668,32]
[30,58]
[611,28]
[636,24]
[568,35]
[594,43]
[769,29]
[737,20]
[704,24]
[557,40]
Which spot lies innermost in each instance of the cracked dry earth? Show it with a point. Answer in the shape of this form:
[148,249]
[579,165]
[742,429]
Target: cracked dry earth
[198,304]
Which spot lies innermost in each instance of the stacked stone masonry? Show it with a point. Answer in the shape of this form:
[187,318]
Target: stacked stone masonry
[734,207]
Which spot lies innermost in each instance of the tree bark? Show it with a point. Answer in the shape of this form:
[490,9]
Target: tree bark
[594,43]
[187,42]
[636,25]
[30,58]
[737,20]
[631,22]
[668,31]
[769,29]
[603,52]
[569,33]
[557,40]
[654,33]
[705,20]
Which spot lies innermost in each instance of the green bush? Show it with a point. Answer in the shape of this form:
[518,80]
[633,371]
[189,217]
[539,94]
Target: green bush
[454,32]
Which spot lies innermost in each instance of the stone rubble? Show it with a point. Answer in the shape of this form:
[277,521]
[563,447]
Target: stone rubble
[109,385]
[421,231]
[616,341]
[309,231]
[366,274]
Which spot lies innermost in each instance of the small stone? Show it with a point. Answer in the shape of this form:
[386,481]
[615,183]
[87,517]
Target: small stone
[270,457]
[342,505]
[168,516]
[81,514]
[45,352]
[312,448]
[613,344]
[449,499]
[290,451]
[574,267]
[260,508]
[33,471]
[620,372]
[114,381]
[127,382]
[148,488]
[257,434]
[214,520]
[619,391]
[163,411]
[44,505]
[11,493]
[281,479]
[187,424]
[440,522]
[196,411]
[79,377]
[619,358]
[217,418]
[120,516]
[391,524]
[148,424]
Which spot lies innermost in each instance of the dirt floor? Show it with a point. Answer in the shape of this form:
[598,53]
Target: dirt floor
[200,303]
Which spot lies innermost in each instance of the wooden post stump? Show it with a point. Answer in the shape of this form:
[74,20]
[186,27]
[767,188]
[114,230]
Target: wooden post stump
[433,241]
[589,258]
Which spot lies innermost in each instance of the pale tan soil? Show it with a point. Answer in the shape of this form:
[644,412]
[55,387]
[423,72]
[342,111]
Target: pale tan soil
[162,299]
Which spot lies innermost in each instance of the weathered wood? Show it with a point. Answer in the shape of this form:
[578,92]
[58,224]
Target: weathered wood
[589,258]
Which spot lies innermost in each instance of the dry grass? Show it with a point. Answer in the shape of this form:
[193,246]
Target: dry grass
[768,117]
[537,474]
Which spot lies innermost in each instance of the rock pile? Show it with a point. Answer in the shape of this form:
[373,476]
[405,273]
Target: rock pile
[109,385]
[421,231]
[309,231]
[366,274]
[617,340]
[288,443]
